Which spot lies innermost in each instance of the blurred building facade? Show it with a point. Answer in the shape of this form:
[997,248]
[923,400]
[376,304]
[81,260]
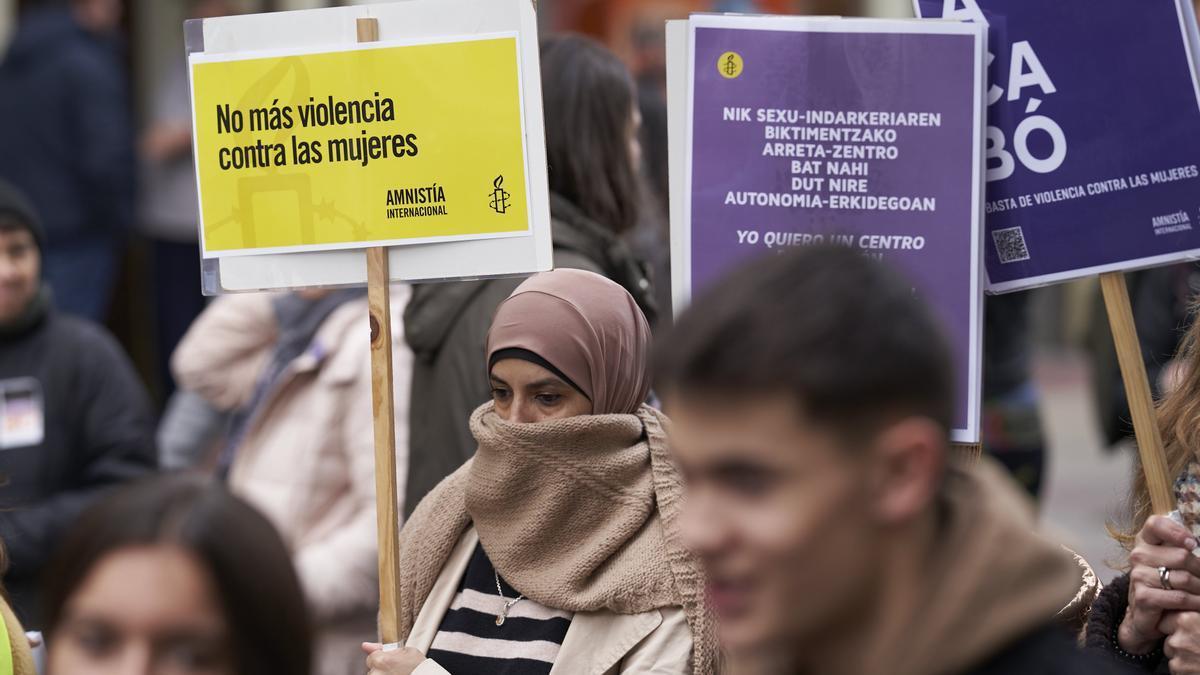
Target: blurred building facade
[157,36]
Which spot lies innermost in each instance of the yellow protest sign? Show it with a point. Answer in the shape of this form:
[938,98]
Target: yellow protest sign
[375,145]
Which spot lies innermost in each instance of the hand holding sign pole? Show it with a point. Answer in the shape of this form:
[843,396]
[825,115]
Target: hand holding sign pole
[386,492]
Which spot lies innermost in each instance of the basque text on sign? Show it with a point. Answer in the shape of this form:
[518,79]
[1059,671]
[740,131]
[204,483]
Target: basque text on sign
[857,133]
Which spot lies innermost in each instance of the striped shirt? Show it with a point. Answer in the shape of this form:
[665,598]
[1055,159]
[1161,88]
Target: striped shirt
[468,640]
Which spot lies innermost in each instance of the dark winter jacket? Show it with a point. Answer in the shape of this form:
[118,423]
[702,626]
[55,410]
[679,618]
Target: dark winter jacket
[66,135]
[1048,651]
[446,325]
[1108,611]
[97,433]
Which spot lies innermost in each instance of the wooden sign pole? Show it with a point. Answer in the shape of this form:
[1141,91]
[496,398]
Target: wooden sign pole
[967,453]
[1137,389]
[386,493]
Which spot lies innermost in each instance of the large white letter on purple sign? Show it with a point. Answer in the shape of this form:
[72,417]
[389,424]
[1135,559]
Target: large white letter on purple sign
[968,12]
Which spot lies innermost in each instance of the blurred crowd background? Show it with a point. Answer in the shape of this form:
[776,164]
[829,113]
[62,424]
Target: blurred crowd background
[1055,411]
[95,128]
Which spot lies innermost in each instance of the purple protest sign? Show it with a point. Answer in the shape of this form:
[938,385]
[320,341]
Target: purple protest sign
[1093,143]
[856,132]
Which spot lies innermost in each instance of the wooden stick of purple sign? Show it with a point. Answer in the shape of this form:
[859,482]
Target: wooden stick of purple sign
[1137,388]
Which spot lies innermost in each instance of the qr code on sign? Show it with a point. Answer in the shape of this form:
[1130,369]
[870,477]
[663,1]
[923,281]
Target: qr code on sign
[1010,245]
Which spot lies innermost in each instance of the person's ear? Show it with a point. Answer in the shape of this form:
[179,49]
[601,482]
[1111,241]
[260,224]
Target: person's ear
[909,460]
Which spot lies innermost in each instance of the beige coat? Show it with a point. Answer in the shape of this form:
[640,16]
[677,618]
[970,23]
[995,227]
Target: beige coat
[597,643]
[18,644]
[307,459]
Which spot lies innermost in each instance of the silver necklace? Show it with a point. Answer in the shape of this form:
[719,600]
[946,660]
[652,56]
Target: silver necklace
[503,615]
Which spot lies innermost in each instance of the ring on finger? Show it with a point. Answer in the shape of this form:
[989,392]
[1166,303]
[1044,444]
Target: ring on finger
[1164,576]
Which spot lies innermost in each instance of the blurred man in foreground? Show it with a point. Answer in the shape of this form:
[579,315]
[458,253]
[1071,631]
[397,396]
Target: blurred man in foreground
[74,418]
[811,396]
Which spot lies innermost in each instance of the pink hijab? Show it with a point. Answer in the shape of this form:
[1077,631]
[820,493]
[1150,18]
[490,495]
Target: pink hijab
[587,327]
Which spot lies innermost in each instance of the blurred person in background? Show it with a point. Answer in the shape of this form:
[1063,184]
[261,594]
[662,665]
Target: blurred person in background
[651,238]
[593,157]
[66,140]
[837,534]
[1011,424]
[74,418]
[292,372]
[168,203]
[555,549]
[1164,309]
[1162,300]
[191,432]
[175,576]
[1149,617]
[633,29]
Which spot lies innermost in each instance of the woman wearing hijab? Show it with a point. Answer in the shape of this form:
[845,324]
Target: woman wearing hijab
[555,549]
[592,153]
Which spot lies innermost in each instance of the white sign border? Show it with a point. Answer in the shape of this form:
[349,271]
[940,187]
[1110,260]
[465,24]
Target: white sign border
[252,55]
[681,240]
[417,263]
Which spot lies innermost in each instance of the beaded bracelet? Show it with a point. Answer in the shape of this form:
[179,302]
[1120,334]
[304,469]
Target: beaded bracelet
[1135,659]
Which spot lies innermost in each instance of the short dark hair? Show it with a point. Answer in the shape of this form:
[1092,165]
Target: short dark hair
[840,332]
[9,222]
[17,212]
[259,591]
[589,97]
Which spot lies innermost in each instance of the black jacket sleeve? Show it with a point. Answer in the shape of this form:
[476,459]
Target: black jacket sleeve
[1108,611]
[104,158]
[112,444]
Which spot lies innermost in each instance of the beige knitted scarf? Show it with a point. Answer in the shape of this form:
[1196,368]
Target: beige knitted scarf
[579,514]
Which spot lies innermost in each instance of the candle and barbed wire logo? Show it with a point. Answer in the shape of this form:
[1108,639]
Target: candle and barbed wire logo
[500,196]
[730,65]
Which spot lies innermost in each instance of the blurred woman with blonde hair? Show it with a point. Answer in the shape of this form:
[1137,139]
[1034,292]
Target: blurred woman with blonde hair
[1149,617]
